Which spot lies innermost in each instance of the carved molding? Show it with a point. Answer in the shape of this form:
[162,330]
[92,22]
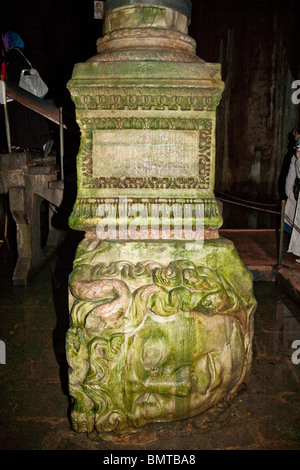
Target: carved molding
[89,207]
[147,218]
[145,98]
[136,32]
[127,36]
[146,54]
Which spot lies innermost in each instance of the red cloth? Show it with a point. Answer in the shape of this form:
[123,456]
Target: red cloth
[2,71]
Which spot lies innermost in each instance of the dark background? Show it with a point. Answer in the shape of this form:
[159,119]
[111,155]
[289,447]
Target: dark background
[257,44]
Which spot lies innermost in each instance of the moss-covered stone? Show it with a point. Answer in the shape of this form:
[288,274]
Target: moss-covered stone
[161,309]
[125,111]
[159,331]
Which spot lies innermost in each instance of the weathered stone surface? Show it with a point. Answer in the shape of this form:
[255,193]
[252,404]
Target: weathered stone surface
[159,331]
[145,16]
[143,99]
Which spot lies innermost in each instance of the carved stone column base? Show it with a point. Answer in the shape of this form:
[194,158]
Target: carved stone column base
[159,331]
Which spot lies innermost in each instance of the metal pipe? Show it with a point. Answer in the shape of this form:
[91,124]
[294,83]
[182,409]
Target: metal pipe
[6,118]
[61,140]
[40,106]
[281,233]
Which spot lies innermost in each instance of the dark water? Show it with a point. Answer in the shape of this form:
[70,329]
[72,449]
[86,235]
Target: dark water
[278,316]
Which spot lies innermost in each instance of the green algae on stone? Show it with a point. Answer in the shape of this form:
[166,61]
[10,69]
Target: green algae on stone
[161,308]
[153,337]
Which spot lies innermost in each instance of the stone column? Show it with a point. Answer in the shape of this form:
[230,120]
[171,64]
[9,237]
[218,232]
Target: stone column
[161,307]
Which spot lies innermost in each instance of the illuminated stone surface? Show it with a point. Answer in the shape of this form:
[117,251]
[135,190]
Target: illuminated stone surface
[161,308]
[158,331]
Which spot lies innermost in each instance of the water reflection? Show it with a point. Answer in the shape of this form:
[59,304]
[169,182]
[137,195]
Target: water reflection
[277,322]
[286,328]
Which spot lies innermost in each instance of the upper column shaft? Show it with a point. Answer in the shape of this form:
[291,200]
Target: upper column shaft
[183,6]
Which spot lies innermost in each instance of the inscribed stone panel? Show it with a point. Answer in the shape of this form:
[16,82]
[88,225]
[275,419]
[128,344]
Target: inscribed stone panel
[145,153]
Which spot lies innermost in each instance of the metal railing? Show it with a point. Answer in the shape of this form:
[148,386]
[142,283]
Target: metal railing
[254,206]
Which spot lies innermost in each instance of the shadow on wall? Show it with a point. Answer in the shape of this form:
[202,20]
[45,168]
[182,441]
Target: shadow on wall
[61,267]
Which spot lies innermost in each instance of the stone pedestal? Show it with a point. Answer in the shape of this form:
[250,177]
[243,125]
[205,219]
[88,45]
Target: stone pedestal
[161,307]
[147,139]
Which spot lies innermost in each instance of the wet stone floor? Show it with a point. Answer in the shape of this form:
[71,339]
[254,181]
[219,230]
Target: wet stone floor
[34,398]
